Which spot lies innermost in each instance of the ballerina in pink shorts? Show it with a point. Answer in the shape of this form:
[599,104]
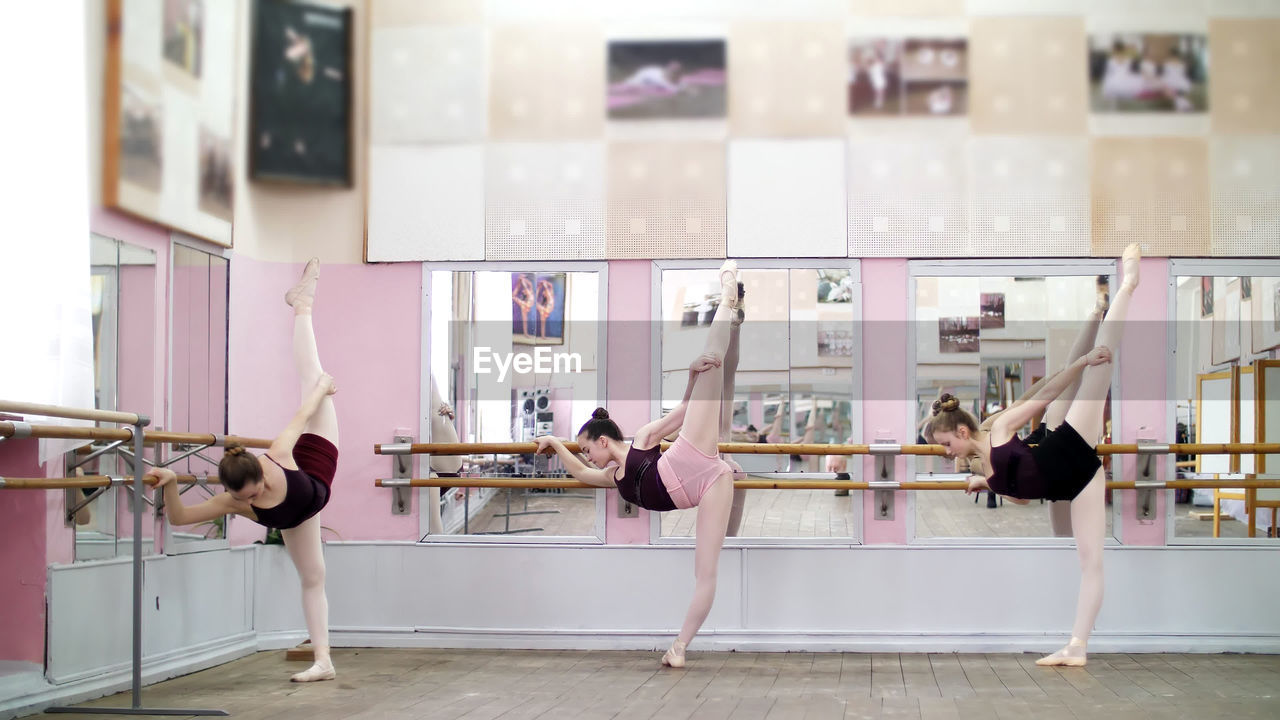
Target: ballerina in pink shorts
[689,474]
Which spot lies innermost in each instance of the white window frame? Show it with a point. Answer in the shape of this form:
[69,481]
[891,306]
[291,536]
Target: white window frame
[854,266]
[424,401]
[1199,267]
[1012,267]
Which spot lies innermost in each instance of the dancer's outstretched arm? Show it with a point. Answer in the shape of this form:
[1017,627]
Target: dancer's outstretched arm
[282,447]
[179,514]
[596,477]
[1017,416]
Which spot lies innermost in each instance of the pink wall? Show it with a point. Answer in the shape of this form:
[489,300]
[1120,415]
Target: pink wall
[630,283]
[1143,391]
[22,555]
[368,325]
[885,387]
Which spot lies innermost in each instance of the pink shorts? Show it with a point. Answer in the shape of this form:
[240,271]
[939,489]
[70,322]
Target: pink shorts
[688,473]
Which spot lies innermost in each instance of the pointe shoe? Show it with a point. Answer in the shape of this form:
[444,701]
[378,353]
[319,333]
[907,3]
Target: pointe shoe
[730,268]
[315,673]
[305,290]
[674,657]
[1129,261]
[1073,655]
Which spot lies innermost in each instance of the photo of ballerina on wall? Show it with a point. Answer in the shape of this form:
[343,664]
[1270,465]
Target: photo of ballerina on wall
[666,79]
[912,76]
[1148,73]
[537,308]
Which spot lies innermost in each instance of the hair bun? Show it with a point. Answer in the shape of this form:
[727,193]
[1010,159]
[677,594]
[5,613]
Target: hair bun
[946,403]
[600,414]
[233,449]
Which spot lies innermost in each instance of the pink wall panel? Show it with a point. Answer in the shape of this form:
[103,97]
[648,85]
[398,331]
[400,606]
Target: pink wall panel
[630,282]
[22,555]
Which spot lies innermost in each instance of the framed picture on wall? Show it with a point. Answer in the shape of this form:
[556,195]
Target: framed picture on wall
[1147,72]
[168,113]
[908,76]
[1226,323]
[1266,314]
[1206,297]
[537,308]
[992,307]
[650,79]
[958,335]
[300,93]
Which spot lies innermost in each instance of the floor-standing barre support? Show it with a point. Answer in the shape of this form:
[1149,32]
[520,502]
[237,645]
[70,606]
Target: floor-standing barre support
[140,421]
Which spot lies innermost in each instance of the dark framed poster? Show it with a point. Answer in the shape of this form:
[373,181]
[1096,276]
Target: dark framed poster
[300,93]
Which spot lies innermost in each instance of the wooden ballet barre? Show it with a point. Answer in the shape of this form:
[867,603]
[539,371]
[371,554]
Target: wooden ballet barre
[20,429]
[814,483]
[110,416]
[527,448]
[90,481]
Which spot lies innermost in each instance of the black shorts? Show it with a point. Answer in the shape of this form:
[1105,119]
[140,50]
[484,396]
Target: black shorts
[1066,462]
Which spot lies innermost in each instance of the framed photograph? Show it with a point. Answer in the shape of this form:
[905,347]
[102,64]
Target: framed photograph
[666,79]
[169,112]
[1246,288]
[1266,314]
[835,340]
[1226,323]
[1144,72]
[1206,297]
[992,309]
[835,286]
[908,76]
[958,335]
[300,93]
[537,308]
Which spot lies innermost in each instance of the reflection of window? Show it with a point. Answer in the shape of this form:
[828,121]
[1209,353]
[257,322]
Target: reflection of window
[517,354]
[794,382]
[986,337]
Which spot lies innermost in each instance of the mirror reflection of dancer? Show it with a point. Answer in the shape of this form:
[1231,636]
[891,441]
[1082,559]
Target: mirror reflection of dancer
[288,486]
[1064,466]
[1056,412]
[546,304]
[689,474]
[731,357]
[442,431]
[522,296]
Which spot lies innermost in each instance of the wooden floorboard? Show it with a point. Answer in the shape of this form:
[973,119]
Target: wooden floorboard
[395,684]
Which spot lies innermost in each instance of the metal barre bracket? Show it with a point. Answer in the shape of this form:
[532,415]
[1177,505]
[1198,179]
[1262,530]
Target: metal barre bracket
[21,429]
[1145,484]
[884,483]
[1,482]
[402,446]
[395,483]
[402,469]
[219,441]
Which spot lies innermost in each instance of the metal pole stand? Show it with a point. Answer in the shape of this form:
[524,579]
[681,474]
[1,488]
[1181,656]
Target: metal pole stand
[136,709]
[1146,482]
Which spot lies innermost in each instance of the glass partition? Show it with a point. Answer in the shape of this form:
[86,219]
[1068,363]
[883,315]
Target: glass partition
[793,382]
[123,286]
[1226,388]
[198,390]
[987,338]
[514,354]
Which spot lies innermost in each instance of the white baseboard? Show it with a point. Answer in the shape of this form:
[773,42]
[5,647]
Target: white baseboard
[785,641]
[39,693]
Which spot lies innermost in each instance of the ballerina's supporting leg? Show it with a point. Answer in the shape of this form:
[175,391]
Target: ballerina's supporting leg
[1088,509]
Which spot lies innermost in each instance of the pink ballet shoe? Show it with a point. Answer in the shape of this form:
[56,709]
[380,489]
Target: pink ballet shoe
[1129,261]
[315,673]
[305,290]
[1073,655]
[674,657]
